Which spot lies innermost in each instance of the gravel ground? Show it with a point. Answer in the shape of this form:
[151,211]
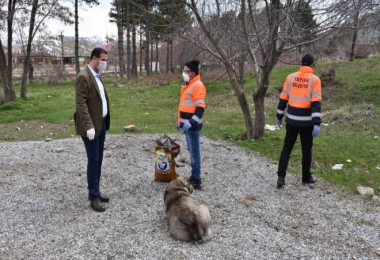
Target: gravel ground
[45,213]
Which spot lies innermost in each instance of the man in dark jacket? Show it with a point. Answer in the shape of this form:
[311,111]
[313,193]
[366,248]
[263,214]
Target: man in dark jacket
[92,119]
[302,95]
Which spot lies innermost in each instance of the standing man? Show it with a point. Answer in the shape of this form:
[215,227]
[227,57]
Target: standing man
[92,119]
[190,112]
[302,94]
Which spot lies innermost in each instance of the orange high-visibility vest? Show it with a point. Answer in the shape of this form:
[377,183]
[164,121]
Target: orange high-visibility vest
[302,88]
[193,95]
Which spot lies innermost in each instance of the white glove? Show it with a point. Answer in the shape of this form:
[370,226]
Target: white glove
[91,134]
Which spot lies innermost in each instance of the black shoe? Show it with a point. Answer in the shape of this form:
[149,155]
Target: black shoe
[97,206]
[280,182]
[197,184]
[102,198]
[311,180]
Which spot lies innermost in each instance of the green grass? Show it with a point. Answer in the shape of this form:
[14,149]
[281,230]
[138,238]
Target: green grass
[351,109]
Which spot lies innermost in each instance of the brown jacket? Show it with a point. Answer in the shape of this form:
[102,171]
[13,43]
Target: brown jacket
[89,104]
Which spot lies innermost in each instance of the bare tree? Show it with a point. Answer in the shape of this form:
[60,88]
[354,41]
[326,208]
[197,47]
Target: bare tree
[269,29]
[31,13]
[46,9]
[360,11]
[29,48]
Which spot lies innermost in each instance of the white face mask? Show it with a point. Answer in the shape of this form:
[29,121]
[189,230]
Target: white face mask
[102,66]
[185,77]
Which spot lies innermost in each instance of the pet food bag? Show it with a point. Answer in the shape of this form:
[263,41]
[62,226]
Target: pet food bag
[165,151]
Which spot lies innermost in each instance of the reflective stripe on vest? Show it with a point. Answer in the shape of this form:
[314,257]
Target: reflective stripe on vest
[298,118]
[194,117]
[188,100]
[197,119]
[280,112]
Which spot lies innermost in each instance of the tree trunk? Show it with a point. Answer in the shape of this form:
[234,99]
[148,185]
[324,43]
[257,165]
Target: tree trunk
[258,100]
[120,40]
[141,50]
[156,69]
[129,56]
[171,56]
[151,54]
[353,45]
[76,47]
[30,73]
[7,64]
[259,97]
[167,56]
[354,37]
[146,51]
[241,70]
[134,52]
[239,92]
[28,50]
[3,74]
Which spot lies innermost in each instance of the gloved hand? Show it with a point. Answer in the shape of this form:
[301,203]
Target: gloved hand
[316,131]
[279,123]
[91,134]
[186,126]
[177,126]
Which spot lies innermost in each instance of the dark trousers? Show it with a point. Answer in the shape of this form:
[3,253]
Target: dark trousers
[94,150]
[306,143]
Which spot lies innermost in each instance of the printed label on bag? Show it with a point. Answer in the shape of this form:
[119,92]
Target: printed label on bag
[163,160]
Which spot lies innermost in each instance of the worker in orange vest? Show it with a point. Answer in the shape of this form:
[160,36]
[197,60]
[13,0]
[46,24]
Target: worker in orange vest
[190,113]
[302,94]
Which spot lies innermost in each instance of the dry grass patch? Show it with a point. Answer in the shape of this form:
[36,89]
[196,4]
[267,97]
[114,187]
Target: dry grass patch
[353,115]
[32,130]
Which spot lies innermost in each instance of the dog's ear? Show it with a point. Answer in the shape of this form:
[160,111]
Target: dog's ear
[184,183]
[183,180]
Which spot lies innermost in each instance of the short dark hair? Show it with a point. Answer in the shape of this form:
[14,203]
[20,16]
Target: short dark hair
[308,60]
[96,52]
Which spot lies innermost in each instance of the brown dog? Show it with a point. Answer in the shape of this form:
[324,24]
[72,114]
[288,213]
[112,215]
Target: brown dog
[187,220]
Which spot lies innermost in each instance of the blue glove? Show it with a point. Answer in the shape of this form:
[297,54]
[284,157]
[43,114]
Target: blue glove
[316,131]
[186,126]
[177,126]
[279,123]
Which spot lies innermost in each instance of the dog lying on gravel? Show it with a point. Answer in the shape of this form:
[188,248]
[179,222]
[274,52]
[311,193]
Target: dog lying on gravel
[187,220]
